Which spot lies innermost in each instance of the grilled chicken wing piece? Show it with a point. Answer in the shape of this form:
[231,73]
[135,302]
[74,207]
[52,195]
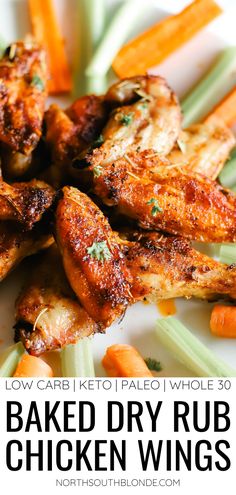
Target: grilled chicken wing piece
[70,131]
[92,257]
[165,267]
[25,202]
[163,198]
[48,316]
[203,148]
[23,91]
[148,117]
[15,245]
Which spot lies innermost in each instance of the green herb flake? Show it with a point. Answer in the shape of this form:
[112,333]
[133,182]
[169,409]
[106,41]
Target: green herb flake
[97,171]
[156,208]
[99,141]
[99,251]
[37,82]
[126,119]
[153,364]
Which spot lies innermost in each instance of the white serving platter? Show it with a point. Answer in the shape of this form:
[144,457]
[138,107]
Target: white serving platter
[182,70]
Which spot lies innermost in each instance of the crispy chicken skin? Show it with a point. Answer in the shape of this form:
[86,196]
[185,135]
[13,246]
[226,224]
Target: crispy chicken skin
[148,117]
[48,316]
[23,91]
[70,131]
[164,267]
[164,198]
[92,257]
[15,245]
[25,202]
[203,148]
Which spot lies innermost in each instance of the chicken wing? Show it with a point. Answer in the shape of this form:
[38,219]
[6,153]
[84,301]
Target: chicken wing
[23,91]
[163,198]
[92,257]
[48,316]
[203,148]
[70,131]
[25,202]
[148,117]
[15,245]
[165,267]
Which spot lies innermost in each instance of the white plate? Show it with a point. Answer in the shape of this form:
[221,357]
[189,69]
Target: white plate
[182,69]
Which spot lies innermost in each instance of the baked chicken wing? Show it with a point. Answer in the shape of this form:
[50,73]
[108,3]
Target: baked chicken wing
[148,117]
[164,267]
[48,316]
[92,257]
[160,197]
[23,91]
[25,202]
[203,148]
[16,244]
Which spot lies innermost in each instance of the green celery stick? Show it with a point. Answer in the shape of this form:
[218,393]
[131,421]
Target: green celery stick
[115,35]
[77,359]
[211,89]
[10,358]
[189,350]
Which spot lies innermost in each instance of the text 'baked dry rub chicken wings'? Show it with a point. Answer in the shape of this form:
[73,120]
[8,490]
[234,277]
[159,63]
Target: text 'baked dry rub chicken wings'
[48,316]
[23,91]
[92,257]
[25,202]
[163,267]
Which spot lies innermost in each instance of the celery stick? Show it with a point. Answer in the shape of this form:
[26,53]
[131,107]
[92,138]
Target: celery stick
[77,359]
[10,358]
[189,350]
[227,176]
[96,84]
[228,253]
[2,46]
[92,16]
[211,89]
[115,35]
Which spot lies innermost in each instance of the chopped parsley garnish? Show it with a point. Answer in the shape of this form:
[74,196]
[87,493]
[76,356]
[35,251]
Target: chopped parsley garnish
[156,208]
[99,141]
[37,82]
[99,251]
[97,171]
[126,119]
[153,364]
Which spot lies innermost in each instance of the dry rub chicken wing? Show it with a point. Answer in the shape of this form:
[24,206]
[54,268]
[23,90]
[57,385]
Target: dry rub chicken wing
[48,316]
[70,131]
[160,197]
[92,257]
[164,267]
[23,81]
[15,245]
[203,148]
[148,117]
[25,202]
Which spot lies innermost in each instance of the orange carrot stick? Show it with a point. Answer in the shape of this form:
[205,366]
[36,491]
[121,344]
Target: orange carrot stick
[226,109]
[223,321]
[46,31]
[125,360]
[31,366]
[155,44]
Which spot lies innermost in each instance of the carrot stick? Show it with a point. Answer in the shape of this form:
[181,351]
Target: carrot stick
[155,44]
[223,321]
[31,366]
[226,109]
[125,360]
[46,31]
